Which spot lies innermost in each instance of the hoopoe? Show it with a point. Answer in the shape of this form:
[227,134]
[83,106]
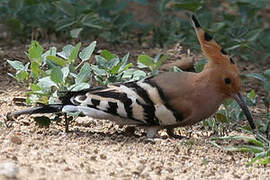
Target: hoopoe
[167,100]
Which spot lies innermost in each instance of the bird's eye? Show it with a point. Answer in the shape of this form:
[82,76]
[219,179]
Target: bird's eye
[227,81]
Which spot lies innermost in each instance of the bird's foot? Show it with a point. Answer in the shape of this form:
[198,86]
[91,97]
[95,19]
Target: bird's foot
[130,131]
[151,132]
[170,132]
[151,135]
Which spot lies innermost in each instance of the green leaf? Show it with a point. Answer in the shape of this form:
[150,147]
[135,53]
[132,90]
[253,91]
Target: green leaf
[107,55]
[35,51]
[65,72]
[101,61]
[200,65]
[161,61]
[115,69]
[221,118]
[84,73]
[66,51]
[35,87]
[138,74]
[22,75]
[233,47]
[257,157]
[133,74]
[125,59]
[251,94]
[16,65]
[63,26]
[145,60]
[56,75]
[124,68]
[253,35]
[91,25]
[265,161]
[257,76]
[267,73]
[98,71]
[59,61]
[112,63]
[46,83]
[35,69]
[74,33]
[50,52]
[53,98]
[66,8]
[235,148]
[266,85]
[187,5]
[87,52]
[254,149]
[74,53]
[80,86]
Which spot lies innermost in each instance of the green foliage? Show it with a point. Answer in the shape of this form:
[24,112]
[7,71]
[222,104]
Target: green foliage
[103,18]
[110,68]
[238,24]
[49,73]
[265,79]
[199,65]
[259,146]
[2,124]
[153,64]
[238,28]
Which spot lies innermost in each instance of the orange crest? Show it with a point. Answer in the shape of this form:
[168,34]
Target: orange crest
[210,47]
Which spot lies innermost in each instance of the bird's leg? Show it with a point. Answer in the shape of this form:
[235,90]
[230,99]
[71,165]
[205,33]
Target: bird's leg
[170,132]
[66,123]
[151,132]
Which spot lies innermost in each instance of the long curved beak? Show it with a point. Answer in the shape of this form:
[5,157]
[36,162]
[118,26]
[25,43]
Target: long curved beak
[239,99]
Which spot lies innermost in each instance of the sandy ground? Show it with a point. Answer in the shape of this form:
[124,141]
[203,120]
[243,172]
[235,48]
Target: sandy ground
[102,150]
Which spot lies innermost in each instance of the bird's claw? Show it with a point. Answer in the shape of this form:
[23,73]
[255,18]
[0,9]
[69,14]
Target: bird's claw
[170,132]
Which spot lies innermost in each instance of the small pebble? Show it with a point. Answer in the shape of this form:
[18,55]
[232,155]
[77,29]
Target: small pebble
[16,140]
[9,169]
[103,156]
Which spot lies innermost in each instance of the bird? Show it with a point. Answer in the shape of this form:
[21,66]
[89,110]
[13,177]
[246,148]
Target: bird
[164,101]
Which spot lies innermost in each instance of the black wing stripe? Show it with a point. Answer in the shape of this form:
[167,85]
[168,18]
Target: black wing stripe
[178,116]
[149,108]
[122,97]
[112,108]
[95,102]
[140,91]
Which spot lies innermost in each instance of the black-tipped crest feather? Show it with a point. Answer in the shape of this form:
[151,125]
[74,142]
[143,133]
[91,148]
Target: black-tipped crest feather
[195,21]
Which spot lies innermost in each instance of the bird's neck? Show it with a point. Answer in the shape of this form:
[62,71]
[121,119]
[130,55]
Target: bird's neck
[208,84]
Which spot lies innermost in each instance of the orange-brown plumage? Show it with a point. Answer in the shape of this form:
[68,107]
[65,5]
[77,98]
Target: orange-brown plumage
[199,95]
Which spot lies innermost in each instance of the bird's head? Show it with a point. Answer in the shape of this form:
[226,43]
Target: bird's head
[226,75]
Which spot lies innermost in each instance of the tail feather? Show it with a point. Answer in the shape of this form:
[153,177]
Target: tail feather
[50,108]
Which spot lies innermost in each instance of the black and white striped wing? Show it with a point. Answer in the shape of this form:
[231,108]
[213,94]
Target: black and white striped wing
[136,102]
